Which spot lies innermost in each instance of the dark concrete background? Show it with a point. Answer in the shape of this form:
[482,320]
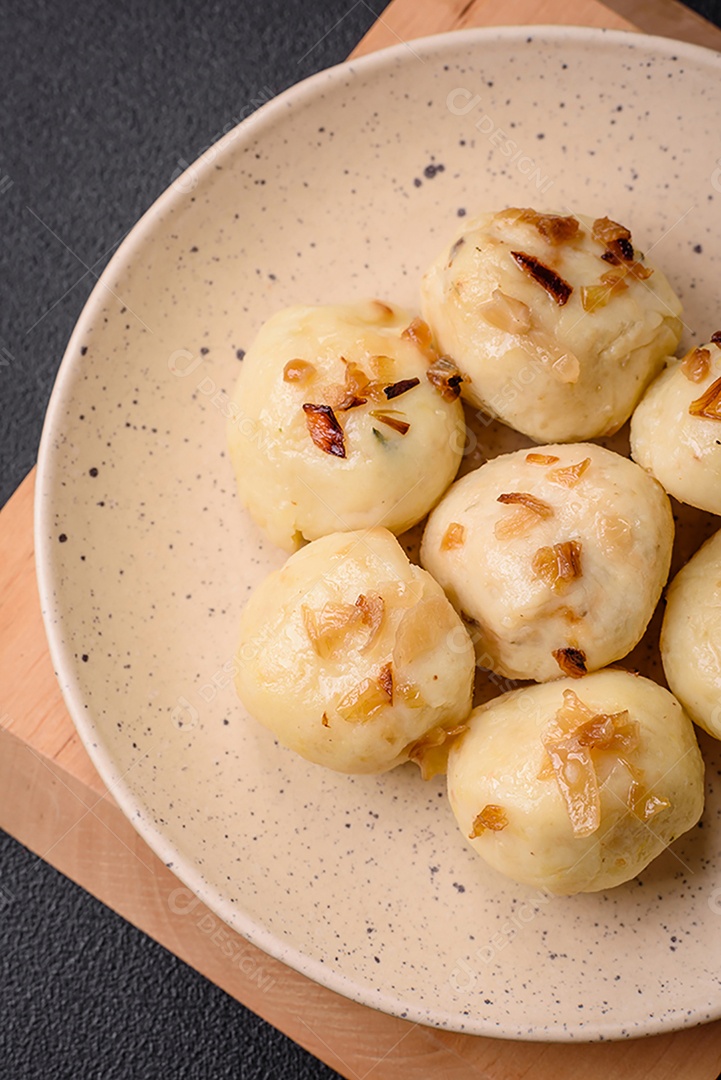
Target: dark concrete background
[99,103]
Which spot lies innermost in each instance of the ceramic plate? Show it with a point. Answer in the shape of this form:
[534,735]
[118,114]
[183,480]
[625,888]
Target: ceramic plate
[346,186]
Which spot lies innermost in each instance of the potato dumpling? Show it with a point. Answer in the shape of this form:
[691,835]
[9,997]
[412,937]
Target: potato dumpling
[691,636]
[676,429]
[354,658]
[557,323]
[577,786]
[558,556]
[343,420]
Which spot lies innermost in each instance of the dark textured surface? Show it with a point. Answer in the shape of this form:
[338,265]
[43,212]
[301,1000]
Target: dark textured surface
[100,106]
[101,103]
[86,995]
[710,9]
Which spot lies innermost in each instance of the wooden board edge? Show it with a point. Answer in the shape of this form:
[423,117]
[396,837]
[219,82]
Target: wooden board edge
[87,838]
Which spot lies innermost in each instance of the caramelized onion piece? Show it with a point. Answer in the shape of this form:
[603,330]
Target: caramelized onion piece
[542,459]
[638,270]
[298,371]
[430,753]
[571,661]
[383,368]
[615,238]
[350,401]
[529,511]
[410,695]
[557,288]
[609,731]
[396,389]
[385,680]
[444,376]
[356,379]
[419,630]
[626,267]
[594,297]
[575,717]
[506,313]
[597,732]
[570,716]
[356,390]
[650,805]
[419,332]
[569,475]
[577,781]
[716,338]
[357,384]
[538,506]
[607,232]
[619,247]
[372,610]
[640,801]
[695,364]
[546,771]
[453,537]
[627,736]
[391,421]
[558,565]
[635,787]
[616,278]
[324,429]
[553,227]
[569,742]
[491,817]
[625,263]
[362,701]
[618,251]
[329,627]
[708,406]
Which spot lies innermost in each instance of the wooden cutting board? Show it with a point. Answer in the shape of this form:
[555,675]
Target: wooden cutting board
[53,801]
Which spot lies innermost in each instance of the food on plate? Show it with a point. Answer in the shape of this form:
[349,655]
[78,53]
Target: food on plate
[577,785]
[556,557]
[676,429]
[344,417]
[691,636]
[545,564]
[354,658]
[557,322]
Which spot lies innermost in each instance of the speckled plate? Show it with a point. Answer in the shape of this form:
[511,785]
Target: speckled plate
[346,186]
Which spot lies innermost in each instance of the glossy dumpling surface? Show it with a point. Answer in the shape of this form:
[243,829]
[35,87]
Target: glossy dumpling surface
[576,786]
[353,657]
[556,556]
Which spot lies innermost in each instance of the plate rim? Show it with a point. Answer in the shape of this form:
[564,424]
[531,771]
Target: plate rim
[46,570]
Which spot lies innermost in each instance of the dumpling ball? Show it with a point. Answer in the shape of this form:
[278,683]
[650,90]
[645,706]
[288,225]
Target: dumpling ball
[342,419]
[557,322]
[691,636]
[676,429]
[354,658]
[577,786]
[555,556]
